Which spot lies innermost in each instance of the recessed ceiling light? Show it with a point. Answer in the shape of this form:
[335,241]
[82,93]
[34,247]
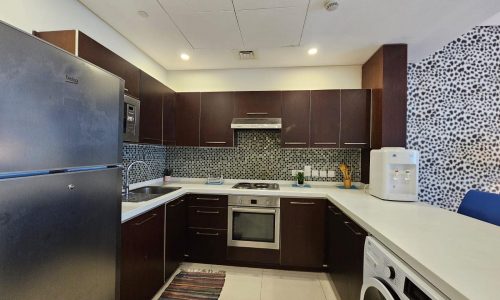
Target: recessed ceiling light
[142,13]
[312,51]
[184,56]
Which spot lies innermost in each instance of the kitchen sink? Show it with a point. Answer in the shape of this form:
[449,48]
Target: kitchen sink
[156,190]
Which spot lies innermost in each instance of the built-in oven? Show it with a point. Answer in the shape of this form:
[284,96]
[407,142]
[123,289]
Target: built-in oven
[131,119]
[254,222]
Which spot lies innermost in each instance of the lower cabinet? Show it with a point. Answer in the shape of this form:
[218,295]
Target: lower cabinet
[303,232]
[345,247]
[175,235]
[142,255]
[207,245]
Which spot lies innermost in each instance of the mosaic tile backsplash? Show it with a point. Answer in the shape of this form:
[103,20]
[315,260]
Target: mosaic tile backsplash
[153,155]
[258,155]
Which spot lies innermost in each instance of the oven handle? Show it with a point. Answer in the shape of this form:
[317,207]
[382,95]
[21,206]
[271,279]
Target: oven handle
[254,210]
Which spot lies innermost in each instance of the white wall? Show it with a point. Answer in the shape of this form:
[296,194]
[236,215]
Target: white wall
[299,78]
[45,15]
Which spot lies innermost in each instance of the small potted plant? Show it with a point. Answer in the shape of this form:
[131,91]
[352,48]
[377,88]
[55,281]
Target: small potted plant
[167,175]
[300,178]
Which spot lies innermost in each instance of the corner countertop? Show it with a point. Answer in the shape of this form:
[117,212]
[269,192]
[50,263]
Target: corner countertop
[458,255]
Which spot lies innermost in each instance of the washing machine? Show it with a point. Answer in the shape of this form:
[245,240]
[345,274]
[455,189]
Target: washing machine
[386,276]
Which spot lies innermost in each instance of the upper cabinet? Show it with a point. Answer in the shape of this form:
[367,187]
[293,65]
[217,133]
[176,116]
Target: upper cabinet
[79,44]
[217,111]
[295,119]
[187,119]
[265,104]
[355,123]
[325,119]
[169,118]
[151,126]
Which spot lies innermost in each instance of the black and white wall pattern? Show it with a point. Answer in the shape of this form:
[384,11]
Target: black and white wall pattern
[454,117]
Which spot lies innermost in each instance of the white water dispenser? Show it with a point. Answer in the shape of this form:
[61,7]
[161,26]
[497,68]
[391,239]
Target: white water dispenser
[394,174]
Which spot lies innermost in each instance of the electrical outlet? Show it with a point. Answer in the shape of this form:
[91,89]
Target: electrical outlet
[331,174]
[315,173]
[322,173]
[307,171]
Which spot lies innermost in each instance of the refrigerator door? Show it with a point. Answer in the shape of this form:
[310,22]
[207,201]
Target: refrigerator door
[56,110]
[59,235]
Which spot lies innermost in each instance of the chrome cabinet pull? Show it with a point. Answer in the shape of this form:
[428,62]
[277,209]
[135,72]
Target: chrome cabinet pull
[215,142]
[295,143]
[257,113]
[207,199]
[355,143]
[177,204]
[207,234]
[145,221]
[332,143]
[302,203]
[348,224]
[333,211]
[207,212]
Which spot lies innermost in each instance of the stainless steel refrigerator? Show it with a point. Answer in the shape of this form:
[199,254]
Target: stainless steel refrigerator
[60,173]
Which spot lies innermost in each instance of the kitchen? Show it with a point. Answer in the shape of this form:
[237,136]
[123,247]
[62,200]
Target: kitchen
[158,96]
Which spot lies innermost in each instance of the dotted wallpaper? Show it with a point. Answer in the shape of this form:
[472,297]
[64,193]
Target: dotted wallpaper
[258,155]
[454,117]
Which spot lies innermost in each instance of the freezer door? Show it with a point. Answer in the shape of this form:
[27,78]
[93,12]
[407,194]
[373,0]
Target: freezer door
[60,236]
[56,111]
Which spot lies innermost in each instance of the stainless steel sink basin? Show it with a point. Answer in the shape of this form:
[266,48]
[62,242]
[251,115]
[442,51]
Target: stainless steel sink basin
[156,190]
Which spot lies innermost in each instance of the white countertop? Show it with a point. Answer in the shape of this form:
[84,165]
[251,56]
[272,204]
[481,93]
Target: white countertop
[457,254]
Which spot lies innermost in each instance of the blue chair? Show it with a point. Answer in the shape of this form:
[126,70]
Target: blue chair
[482,206]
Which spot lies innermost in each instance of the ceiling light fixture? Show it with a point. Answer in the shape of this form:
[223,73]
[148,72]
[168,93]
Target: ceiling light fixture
[331,5]
[312,51]
[184,56]
[142,13]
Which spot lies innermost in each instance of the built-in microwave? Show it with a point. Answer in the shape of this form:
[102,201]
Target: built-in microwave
[131,119]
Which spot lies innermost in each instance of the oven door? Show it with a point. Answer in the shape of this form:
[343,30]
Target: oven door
[253,227]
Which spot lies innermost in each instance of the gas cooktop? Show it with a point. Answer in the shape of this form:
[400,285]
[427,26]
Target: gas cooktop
[257,186]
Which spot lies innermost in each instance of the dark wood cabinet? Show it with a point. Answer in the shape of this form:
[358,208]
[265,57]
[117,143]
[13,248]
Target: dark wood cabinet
[345,250]
[79,44]
[217,112]
[175,235]
[303,232]
[151,125]
[187,119]
[356,115]
[262,104]
[207,245]
[295,119]
[325,119]
[169,118]
[142,255]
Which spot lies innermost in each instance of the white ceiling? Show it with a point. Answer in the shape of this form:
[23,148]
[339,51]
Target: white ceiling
[280,31]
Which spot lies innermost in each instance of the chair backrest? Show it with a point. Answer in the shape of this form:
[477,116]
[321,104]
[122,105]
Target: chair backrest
[482,206]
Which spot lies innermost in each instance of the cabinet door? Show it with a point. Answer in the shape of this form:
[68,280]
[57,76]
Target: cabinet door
[151,125]
[258,104]
[325,118]
[175,235]
[355,252]
[169,118]
[217,111]
[187,119]
[356,114]
[207,245]
[142,255]
[302,232]
[296,111]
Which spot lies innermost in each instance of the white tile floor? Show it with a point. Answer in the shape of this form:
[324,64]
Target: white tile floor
[268,284]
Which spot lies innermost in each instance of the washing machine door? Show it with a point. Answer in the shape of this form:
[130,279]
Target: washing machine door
[374,289]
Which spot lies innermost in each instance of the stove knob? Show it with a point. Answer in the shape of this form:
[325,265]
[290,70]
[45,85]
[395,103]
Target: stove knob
[389,272]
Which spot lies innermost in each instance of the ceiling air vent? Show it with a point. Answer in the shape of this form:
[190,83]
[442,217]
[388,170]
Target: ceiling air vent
[247,54]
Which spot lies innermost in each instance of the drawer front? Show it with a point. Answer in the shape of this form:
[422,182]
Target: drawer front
[207,217]
[208,200]
[207,245]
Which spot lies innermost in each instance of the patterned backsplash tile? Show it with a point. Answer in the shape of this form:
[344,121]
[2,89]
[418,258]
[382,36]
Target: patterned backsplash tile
[153,155]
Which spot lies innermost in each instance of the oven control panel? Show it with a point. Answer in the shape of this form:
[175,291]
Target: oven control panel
[257,201]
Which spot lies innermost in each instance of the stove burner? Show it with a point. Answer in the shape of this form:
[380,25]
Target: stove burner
[257,186]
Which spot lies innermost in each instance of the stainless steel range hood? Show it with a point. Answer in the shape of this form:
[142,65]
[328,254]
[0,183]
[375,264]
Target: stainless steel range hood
[256,123]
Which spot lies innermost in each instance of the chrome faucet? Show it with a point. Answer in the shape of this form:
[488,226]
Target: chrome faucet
[127,177]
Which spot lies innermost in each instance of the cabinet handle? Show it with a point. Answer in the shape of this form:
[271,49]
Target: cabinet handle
[333,211]
[207,199]
[355,143]
[207,234]
[302,203]
[177,204]
[208,212]
[348,224]
[332,143]
[145,221]
[295,143]
[257,113]
[125,89]
[215,142]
